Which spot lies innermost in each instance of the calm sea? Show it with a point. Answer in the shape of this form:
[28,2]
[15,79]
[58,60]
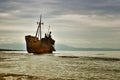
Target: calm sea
[62,65]
[106,54]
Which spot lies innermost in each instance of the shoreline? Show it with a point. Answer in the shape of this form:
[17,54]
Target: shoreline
[10,50]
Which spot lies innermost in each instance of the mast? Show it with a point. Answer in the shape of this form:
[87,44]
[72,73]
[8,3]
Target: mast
[48,28]
[38,32]
[40,25]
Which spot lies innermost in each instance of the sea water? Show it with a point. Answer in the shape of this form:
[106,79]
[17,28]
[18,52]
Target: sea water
[61,65]
[104,54]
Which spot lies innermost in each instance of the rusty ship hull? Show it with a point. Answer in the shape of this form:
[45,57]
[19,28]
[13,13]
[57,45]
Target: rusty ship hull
[34,45]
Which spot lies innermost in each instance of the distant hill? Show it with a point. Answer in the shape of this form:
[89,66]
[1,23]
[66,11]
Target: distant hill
[69,48]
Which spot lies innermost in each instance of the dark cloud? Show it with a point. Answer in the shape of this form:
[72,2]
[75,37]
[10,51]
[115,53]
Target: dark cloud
[88,7]
[90,20]
[60,7]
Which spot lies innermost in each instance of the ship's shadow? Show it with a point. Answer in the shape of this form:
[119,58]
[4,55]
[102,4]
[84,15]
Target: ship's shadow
[41,54]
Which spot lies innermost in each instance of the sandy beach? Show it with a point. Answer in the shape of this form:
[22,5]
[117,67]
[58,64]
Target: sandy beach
[23,66]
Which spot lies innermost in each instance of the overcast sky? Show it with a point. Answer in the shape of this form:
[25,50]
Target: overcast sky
[77,23]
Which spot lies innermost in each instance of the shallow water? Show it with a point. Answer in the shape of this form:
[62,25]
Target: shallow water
[105,54]
[81,65]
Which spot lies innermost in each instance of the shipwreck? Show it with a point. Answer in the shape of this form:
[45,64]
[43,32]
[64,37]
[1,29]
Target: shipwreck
[38,45]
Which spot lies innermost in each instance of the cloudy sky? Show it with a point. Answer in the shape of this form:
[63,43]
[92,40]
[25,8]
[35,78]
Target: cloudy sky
[77,23]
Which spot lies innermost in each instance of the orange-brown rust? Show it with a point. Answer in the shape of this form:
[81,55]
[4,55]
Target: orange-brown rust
[34,45]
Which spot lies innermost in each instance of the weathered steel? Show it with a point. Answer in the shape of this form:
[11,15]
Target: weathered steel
[37,44]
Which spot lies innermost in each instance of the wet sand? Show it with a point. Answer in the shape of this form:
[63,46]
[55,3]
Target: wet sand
[19,66]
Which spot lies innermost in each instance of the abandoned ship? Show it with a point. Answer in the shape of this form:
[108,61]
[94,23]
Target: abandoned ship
[38,45]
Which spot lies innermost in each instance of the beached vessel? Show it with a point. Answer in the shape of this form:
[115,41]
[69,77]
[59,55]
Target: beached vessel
[36,44]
